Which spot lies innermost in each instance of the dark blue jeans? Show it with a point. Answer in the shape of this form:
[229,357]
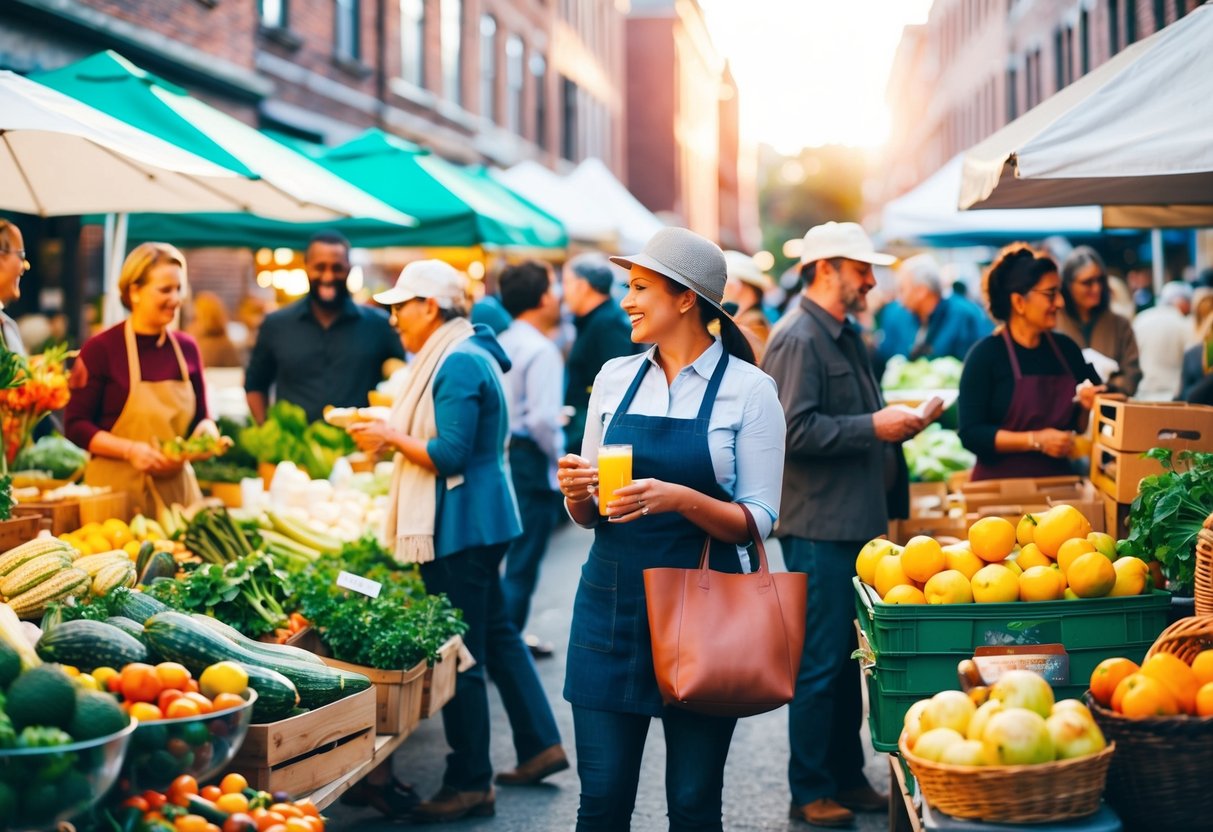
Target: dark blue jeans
[472,581]
[609,749]
[826,714]
[539,507]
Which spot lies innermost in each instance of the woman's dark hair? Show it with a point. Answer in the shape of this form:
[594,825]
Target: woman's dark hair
[1078,260]
[731,337]
[1014,272]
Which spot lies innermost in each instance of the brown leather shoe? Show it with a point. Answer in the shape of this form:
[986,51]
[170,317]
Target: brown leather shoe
[544,764]
[449,805]
[864,799]
[824,812]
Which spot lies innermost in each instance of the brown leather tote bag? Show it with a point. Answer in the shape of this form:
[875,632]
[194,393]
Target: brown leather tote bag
[726,644]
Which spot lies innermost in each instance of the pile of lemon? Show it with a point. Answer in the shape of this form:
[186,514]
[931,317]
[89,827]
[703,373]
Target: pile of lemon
[95,538]
[1048,557]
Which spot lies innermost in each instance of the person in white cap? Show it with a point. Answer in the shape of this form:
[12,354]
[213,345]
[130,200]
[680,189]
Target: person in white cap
[744,291]
[706,434]
[844,478]
[451,509]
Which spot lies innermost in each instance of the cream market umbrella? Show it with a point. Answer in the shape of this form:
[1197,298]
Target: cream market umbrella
[1135,135]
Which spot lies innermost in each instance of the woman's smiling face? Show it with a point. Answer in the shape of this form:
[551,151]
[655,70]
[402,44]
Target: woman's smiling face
[654,304]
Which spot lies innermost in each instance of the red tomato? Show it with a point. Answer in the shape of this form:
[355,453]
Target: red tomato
[155,800]
[167,697]
[181,789]
[211,793]
[136,802]
[140,683]
[239,822]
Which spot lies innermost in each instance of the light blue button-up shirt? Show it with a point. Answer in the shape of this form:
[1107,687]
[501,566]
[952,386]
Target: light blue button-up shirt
[746,431]
[534,387]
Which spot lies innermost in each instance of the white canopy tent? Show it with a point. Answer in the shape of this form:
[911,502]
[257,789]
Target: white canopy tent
[634,223]
[928,213]
[1135,135]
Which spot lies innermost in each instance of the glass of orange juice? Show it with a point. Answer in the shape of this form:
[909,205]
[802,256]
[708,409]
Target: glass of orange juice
[614,471]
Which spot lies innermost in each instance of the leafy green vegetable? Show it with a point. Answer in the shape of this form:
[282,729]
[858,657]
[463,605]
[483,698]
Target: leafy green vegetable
[53,454]
[936,453]
[286,435]
[394,631]
[248,593]
[216,470]
[1168,513]
[92,608]
[941,373]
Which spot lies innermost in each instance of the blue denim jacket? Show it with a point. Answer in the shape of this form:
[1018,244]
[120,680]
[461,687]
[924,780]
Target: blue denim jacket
[476,504]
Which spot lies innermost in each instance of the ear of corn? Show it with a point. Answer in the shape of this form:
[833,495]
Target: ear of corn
[33,572]
[67,582]
[19,555]
[112,575]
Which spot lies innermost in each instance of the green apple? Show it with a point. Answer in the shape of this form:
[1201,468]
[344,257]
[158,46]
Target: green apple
[1105,544]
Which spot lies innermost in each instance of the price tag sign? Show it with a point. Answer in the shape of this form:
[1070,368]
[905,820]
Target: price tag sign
[359,584]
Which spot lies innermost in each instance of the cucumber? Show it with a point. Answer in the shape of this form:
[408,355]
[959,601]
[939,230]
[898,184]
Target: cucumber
[272,652]
[137,606]
[179,638]
[276,695]
[89,644]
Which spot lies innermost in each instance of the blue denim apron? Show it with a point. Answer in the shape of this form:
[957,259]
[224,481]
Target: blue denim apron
[610,659]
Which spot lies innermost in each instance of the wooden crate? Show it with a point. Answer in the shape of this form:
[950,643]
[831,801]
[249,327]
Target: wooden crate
[21,528]
[1139,426]
[397,695]
[305,752]
[70,514]
[440,679]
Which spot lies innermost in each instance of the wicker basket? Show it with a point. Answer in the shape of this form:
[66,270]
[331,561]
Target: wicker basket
[1045,793]
[1160,779]
[1204,569]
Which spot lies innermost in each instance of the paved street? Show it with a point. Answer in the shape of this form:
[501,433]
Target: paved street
[755,795]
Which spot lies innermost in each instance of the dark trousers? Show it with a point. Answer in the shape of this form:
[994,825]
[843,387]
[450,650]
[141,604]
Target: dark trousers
[471,579]
[609,750]
[826,714]
[539,508]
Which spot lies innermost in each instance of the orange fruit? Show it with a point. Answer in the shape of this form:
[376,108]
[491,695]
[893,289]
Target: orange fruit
[1030,555]
[900,594]
[1071,550]
[172,675]
[1107,675]
[181,708]
[992,538]
[232,802]
[233,783]
[1145,697]
[1176,677]
[1091,575]
[1026,530]
[139,683]
[1056,526]
[167,697]
[1202,666]
[922,557]
[190,823]
[227,700]
[1204,700]
[210,793]
[204,703]
[1041,583]
[869,556]
[145,712]
[890,573]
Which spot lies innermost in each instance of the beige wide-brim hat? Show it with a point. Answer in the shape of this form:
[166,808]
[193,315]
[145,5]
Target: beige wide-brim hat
[690,260]
[740,266]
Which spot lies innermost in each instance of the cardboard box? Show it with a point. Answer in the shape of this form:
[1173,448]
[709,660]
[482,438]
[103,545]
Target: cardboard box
[397,695]
[1119,473]
[1116,517]
[301,753]
[1139,426]
[1026,491]
[439,685]
[1078,493]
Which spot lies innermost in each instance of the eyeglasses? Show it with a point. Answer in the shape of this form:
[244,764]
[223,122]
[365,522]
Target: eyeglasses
[1050,294]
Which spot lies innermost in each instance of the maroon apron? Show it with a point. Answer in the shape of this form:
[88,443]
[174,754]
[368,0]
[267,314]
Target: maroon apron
[1037,403]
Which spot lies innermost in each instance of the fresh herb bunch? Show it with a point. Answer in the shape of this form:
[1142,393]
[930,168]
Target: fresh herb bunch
[92,608]
[394,631]
[1168,514]
[247,593]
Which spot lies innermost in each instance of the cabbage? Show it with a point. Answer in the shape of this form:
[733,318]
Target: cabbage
[941,373]
[935,454]
[53,454]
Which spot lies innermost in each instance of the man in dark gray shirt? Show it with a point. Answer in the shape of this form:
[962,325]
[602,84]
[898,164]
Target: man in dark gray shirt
[844,476]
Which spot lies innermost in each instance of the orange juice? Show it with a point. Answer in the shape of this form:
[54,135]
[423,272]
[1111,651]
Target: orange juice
[614,471]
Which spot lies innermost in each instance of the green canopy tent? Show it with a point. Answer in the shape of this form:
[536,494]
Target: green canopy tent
[454,206]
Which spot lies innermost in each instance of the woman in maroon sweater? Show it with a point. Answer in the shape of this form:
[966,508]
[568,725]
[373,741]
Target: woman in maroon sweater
[138,385]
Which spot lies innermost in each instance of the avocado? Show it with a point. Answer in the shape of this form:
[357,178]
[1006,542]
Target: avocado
[44,696]
[97,715]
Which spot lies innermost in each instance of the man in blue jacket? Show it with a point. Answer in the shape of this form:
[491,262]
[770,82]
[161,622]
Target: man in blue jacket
[946,325]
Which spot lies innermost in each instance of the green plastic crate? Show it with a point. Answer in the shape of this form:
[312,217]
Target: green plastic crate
[1092,623]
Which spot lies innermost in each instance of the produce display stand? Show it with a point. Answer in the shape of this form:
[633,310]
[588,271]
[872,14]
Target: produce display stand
[439,686]
[398,695]
[22,527]
[324,796]
[74,512]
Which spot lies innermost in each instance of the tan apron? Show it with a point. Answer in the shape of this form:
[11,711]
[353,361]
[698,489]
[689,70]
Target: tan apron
[154,410]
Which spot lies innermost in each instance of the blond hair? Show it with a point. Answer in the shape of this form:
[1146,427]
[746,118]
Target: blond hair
[141,261]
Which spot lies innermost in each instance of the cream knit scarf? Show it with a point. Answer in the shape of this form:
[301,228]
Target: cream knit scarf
[412,502]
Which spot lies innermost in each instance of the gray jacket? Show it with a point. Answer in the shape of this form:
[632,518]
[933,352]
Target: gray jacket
[835,470]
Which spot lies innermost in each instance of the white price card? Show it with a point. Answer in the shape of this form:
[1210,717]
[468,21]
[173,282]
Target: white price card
[357,583]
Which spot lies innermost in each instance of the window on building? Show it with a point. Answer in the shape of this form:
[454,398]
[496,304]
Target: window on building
[568,119]
[1038,94]
[273,13]
[345,29]
[1113,26]
[412,41]
[1084,41]
[539,74]
[1181,8]
[1059,58]
[1069,51]
[1160,14]
[513,83]
[488,67]
[1130,22]
[451,34]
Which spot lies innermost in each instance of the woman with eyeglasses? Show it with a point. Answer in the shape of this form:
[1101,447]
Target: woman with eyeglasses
[1088,320]
[1023,391]
[12,265]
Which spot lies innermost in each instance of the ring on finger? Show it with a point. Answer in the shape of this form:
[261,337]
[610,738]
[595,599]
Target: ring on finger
[644,509]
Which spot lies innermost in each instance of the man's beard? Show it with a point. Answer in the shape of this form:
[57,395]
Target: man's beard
[853,299]
[341,293]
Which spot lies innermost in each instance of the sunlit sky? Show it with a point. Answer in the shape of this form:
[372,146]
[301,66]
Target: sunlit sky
[812,72]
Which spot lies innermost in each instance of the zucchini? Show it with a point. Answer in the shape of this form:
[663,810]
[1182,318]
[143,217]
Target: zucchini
[179,638]
[159,565]
[137,606]
[271,652]
[276,695]
[89,644]
[202,807]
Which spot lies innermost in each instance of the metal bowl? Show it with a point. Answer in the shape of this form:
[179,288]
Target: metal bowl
[201,746]
[41,787]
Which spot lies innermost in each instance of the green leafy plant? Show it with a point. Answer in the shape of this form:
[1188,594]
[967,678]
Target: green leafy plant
[1168,513]
[286,435]
[247,593]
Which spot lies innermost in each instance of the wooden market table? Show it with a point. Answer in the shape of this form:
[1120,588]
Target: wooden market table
[327,794]
[903,811]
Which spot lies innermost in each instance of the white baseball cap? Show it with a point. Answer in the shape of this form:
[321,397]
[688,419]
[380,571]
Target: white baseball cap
[740,266]
[841,239]
[427,279]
